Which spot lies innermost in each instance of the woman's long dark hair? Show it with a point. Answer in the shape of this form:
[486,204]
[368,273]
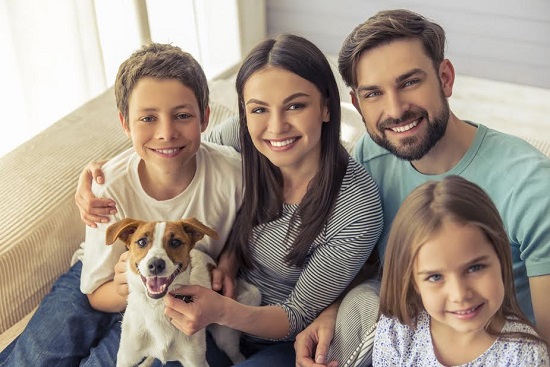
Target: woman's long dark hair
[263,198]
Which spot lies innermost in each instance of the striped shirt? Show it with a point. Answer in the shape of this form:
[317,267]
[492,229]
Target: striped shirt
[334,258]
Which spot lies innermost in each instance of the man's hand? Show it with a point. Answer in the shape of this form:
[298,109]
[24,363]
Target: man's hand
[313,343]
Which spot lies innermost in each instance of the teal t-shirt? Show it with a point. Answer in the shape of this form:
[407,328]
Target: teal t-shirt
[514,174]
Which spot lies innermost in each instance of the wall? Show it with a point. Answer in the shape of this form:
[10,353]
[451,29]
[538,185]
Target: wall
[503,40]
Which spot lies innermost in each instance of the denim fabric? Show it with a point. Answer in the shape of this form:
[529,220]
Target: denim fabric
[64,329]
[267,355]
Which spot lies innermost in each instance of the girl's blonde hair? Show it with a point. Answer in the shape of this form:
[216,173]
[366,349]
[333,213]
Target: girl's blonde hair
[420,216]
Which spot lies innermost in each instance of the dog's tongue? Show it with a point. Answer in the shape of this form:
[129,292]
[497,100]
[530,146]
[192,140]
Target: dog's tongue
[157,284]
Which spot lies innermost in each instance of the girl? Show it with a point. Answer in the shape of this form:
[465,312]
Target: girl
[447,295]
[310,216]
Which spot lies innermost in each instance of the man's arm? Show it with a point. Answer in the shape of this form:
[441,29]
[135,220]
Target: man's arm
[540,297]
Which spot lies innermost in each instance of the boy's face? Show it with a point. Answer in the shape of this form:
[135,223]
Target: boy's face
[164,123]
[403,98]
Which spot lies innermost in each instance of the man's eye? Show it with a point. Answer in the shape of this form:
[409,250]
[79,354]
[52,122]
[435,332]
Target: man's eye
[408,83]
[142,242]
[372,95]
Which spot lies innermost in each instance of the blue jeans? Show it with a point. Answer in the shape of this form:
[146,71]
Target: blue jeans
[267,354]
[65,330]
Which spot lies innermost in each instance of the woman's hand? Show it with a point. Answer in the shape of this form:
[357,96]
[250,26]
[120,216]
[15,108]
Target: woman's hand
[206,307]
[313,343]
[92,210]
[120,280]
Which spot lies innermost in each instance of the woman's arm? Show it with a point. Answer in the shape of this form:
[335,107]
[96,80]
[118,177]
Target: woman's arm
[208,307]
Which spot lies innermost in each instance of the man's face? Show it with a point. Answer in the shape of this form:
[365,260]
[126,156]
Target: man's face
[403,98]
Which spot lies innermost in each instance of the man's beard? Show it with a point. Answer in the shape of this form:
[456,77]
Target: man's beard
[414,148]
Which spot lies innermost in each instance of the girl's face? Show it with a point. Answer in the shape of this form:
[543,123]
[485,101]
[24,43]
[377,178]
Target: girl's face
[284,115]
[458,276]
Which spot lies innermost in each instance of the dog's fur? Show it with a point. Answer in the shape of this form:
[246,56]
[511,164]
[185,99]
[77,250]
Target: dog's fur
[161,260]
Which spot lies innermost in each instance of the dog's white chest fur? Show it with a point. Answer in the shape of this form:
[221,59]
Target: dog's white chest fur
[161,260]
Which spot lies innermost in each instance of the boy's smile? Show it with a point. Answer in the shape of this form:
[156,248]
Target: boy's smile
[165,127]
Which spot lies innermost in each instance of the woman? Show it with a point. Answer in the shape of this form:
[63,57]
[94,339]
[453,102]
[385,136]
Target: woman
[310,215]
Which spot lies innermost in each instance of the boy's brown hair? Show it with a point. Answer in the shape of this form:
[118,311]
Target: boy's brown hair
[384,27]
[160,61]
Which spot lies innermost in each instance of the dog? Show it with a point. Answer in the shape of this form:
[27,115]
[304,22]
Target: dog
[161,259]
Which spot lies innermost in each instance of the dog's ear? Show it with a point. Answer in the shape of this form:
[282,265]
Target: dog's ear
[122,229]
[197,230]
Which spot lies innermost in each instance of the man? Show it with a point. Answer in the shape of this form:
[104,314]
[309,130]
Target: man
[394,63]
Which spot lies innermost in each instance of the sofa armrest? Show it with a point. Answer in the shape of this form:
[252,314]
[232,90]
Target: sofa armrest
[41,227]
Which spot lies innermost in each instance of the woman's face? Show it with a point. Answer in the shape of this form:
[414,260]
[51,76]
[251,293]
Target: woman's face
[284,115]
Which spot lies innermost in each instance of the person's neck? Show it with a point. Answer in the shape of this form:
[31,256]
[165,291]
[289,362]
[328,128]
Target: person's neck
[449,150]
[454,348]
[295,184]
[163,185]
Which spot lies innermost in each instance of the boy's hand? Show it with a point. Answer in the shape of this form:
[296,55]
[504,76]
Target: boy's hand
[120,280]
[92,210]
[223,281]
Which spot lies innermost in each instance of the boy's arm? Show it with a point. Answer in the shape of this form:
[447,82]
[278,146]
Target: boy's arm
[540,298]
[106,298]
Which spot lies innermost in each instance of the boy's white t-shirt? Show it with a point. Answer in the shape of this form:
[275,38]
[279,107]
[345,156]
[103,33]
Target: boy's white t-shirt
[213,197]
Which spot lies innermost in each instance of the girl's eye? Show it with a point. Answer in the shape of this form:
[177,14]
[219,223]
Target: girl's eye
[475,268]
[434,278]
[142,242]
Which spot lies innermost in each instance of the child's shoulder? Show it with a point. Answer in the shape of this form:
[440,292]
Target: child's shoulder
[219,153]
[120,167]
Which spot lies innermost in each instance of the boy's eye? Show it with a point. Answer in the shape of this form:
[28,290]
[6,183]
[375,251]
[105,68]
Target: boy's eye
[434,278]
[182,116]
[148,119]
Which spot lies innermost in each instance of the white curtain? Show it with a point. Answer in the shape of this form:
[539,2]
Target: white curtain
[58,54]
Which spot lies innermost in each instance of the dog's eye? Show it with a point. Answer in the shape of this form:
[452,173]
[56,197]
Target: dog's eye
[175,242]
[142,242]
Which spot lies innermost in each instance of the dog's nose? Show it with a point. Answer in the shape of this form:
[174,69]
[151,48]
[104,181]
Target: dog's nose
[156,266]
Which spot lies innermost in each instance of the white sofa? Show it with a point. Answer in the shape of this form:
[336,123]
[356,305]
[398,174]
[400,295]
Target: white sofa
[41,227]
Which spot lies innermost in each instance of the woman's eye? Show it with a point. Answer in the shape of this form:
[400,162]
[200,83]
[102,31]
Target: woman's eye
[372,94]
[142,242]
[296,106]
[257,110]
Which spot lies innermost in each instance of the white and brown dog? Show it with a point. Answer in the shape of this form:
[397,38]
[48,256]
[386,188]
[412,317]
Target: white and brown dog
[162,259]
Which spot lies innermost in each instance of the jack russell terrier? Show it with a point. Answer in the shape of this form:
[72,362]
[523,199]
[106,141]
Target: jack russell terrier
[162,259]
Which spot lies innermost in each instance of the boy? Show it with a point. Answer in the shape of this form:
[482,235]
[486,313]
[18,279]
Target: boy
[162,97]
